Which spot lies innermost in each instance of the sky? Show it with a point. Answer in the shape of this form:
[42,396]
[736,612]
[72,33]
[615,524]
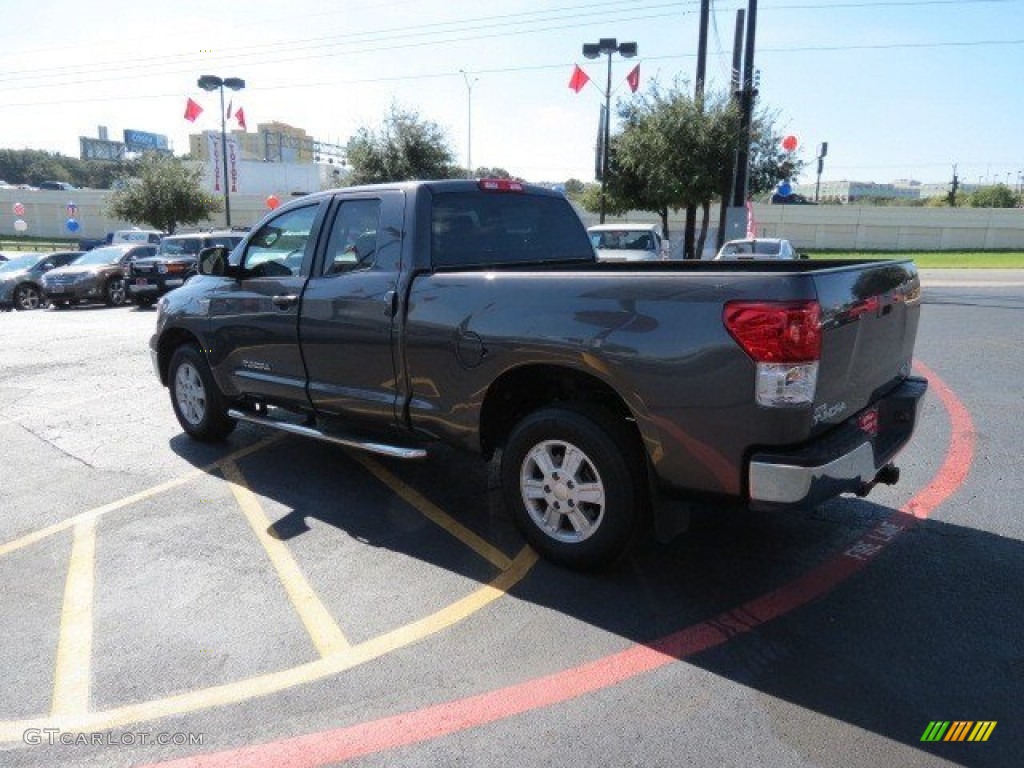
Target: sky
[900,89]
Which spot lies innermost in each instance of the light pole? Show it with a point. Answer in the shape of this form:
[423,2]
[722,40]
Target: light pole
[607,45]
[469,123]
[212,83]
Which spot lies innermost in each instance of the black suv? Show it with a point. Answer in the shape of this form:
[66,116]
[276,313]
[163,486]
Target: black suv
[175,262]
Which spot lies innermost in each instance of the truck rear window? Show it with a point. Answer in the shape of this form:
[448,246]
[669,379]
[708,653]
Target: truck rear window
[488,229]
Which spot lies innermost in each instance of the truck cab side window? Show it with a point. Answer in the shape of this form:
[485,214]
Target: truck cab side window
[278,248]
[353,240]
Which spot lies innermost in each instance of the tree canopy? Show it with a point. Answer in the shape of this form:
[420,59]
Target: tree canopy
[995,196]
[33,166]
[674,151]
[165,193]
[404,147]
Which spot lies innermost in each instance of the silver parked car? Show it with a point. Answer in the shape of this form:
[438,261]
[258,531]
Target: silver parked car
[628,242]
[760,248]
[21,277]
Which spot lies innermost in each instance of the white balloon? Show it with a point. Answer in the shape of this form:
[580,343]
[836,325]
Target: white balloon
[20,225]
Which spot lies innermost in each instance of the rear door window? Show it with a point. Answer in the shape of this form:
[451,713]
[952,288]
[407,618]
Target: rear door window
[481,229]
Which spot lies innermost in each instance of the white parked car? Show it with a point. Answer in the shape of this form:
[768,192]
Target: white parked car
[767,248]
[628,242]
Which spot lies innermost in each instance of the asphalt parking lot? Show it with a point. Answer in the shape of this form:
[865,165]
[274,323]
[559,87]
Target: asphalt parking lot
[275,601]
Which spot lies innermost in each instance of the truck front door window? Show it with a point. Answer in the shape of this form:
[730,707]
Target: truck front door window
[278,248]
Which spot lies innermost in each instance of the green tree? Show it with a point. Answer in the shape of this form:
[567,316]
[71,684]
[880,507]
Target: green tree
[166,193]
[671,152]
[32,166]
[995,196]
[405,147]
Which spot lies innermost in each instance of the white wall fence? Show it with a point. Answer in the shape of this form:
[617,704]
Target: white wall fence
[855,227]
[46,213]
[808,226]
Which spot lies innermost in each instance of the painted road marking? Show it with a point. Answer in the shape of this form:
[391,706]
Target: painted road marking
[334,746]
[435,514]
[323,630]
[71,696]
[72,679]
[273,682]
[156,490]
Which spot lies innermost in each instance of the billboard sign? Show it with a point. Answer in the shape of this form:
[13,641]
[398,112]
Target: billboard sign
[141,141]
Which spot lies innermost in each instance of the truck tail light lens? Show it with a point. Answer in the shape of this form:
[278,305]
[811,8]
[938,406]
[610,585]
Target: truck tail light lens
[784,339]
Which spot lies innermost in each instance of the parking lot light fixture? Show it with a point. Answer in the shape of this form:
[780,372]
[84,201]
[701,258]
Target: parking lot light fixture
[214,83]
[607,46]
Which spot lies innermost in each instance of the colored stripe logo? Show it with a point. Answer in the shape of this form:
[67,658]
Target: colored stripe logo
[958,730]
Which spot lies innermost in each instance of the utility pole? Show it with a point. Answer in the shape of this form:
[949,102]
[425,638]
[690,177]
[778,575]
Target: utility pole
[822,151]
[746,109]
[729,182]
[952,191]
[698,95]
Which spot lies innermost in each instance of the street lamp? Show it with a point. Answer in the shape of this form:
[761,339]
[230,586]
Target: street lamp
[607,45]
[469,121]
[213,83]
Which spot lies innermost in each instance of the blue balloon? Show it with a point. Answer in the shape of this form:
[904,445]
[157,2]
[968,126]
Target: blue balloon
[72,225]
[785,189]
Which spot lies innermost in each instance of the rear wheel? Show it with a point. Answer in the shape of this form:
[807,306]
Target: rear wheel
[198,403]
[27,296]
[572,480]
[115,293]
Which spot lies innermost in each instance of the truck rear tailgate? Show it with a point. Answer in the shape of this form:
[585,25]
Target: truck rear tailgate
[869,323]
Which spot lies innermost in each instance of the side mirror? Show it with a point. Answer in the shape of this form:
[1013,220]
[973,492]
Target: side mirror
[213,260]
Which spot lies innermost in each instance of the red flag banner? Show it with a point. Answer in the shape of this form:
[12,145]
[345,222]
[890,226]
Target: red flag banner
[240,116]
[192,111]
[227,115]
[633,78]
[579,79]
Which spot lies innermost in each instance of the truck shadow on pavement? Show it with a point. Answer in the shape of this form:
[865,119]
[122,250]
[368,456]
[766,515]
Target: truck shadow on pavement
[929,629]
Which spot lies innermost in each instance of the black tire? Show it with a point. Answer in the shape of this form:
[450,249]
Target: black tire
[198,404]
[583,508]
[27,297]
[115,293]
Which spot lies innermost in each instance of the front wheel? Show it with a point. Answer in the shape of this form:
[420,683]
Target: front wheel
[572,480]
[27,297]
[198,403]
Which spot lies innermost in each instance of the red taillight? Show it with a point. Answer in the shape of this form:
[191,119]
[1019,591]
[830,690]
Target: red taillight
[500,185]
[785,332]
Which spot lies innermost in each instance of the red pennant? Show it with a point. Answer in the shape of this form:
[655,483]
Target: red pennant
[192,111]
[633,78]
[579,79]
[240,116]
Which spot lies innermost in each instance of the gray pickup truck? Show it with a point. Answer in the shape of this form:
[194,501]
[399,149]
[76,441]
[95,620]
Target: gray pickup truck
[475,313]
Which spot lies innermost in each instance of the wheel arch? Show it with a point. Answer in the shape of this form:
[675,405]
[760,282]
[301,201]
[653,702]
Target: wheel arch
[170,340]
[521,390]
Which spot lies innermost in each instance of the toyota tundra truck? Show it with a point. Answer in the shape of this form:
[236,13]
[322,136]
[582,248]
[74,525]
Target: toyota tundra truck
[612,395]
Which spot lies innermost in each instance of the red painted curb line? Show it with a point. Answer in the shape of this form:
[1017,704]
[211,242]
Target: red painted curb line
[333,746]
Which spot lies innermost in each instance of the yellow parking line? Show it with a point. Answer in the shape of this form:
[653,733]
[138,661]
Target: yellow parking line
[273,682]
[92,514]
[323,630]
[74,649]
[434,513]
